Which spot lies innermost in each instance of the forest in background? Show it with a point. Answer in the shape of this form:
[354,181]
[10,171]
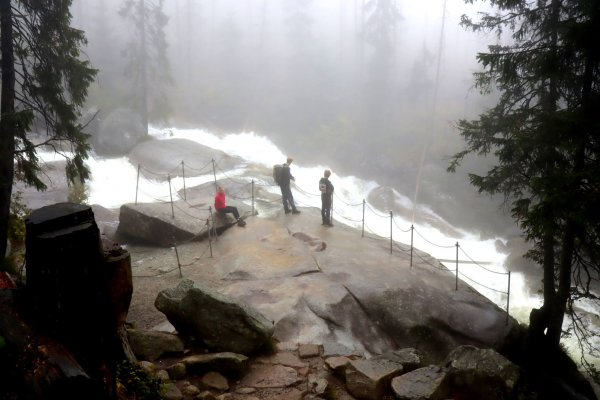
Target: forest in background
[369,88]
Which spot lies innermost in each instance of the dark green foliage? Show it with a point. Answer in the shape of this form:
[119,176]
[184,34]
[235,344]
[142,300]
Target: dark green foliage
[18,212]
[16,234]
[52,87]
[135,383]
[44,84]
[543,134]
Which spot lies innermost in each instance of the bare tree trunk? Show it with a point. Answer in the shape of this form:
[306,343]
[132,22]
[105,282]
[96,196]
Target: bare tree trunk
[7,124]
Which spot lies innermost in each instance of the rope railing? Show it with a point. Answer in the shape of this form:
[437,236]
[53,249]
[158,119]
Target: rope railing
[481,266]
[175,250]
[345,203]
[245,191]
[205,166]
[434,244]
[424,261]
[401,230]
[307,193]
[346,218]
[375,212]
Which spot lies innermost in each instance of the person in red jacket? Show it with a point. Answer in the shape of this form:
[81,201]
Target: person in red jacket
[222,207]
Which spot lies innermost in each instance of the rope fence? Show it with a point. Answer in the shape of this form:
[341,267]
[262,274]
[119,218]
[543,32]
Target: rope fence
[245,190]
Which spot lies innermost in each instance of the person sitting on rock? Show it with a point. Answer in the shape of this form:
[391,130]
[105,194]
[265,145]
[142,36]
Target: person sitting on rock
[221,207]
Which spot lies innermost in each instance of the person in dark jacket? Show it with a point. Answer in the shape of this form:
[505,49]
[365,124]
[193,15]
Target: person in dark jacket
[286,191]
[222,207]
[326,188]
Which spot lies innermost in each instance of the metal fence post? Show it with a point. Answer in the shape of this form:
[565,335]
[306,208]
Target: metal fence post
[363,220]
[214,173]
[209,237]
[252,197]
[212,218]
[391,231]
[171,195]
[508,300]
[456,287]
[412,231]
[137,184]
[177,255]
[183,175]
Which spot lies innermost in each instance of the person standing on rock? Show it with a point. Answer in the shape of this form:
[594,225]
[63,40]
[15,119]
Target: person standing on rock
[222,207]
[286,191]
[326,189]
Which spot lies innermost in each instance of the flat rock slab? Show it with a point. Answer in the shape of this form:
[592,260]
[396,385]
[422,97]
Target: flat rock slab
[270,376]
[229,363]
[423,383]
[284,358]
[353,297]
[184,220]
[369,379]
[162,224]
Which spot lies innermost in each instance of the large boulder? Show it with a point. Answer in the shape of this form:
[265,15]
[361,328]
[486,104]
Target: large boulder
[220,322]
[159,159]
[483,374]
[151,345]
[118,133]
[163,224]
[159,224]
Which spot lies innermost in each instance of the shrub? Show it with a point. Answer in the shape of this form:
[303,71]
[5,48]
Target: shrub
[135,383]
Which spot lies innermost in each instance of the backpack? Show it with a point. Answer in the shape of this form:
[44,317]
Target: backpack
[323,185]
[277,171]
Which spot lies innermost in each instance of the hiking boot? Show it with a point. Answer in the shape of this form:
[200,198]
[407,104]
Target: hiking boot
[296,212]
[241,223]
[287,211]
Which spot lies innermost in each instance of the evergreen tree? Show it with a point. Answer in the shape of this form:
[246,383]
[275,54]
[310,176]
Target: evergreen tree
[544,137]
[148,65]
[43,80]
[101,31]
[379,32]
[380,26]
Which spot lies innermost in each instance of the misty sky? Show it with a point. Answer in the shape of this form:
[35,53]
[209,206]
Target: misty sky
[365,86]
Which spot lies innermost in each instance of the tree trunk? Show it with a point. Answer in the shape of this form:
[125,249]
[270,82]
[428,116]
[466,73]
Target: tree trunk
[552,301]
[7,108]
[43,365]
[564,285]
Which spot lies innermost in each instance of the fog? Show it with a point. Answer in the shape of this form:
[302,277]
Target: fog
[370,88]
